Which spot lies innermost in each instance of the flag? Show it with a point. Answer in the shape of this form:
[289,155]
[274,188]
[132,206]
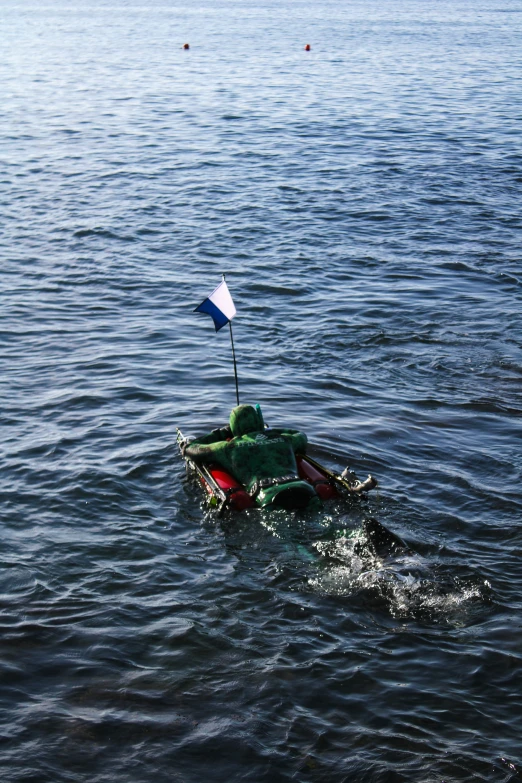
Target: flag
[219,306]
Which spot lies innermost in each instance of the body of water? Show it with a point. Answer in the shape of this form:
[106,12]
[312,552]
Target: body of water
[364,199]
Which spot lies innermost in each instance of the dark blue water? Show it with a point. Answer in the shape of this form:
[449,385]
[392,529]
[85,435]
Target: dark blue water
[364,199]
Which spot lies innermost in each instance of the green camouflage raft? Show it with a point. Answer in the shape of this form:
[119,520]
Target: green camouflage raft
[248,464]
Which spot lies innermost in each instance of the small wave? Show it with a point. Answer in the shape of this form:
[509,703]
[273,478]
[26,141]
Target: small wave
[16,583]
[102,233]
[145,231]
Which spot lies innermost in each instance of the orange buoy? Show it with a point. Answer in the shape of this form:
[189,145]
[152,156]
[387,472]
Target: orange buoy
[307,48]
[186,46]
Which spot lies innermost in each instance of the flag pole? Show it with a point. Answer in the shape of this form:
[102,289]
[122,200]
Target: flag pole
[233,356]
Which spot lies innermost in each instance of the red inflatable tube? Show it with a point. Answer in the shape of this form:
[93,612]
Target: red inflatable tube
[324,488]
[239,499]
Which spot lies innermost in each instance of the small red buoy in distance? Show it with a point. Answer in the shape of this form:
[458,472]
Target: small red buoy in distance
[186,46]
[307,48]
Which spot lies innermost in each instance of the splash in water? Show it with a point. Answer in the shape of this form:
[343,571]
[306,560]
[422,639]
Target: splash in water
[402,583]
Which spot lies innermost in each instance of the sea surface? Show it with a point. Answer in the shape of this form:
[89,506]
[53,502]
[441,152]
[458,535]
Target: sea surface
[364,200]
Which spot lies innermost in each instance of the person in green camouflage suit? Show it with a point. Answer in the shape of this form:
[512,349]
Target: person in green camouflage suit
[262,460]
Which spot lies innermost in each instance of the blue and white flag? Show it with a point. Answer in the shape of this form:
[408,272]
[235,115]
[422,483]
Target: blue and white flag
[219,306]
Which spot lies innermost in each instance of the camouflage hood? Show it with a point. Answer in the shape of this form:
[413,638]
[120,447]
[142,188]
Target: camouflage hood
[245,419]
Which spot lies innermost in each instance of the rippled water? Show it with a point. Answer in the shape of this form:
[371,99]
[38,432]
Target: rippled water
[364,200]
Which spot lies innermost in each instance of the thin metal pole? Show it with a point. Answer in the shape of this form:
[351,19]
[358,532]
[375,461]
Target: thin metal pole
[233,353]
[235,365]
